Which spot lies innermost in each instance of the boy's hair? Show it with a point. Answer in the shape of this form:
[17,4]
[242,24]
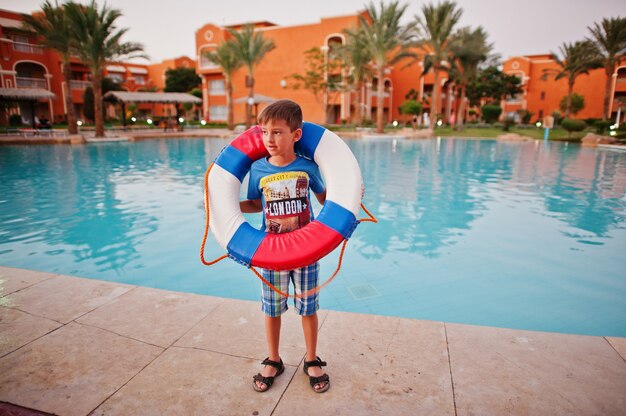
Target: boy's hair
[286,110]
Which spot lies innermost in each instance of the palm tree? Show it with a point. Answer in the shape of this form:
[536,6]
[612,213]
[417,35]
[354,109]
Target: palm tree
[52,26]
[610,38]
[226,57]
[387,42]
[435,27]
[576,59]
[357,59]
[469,48]
[97,42]
[250,48]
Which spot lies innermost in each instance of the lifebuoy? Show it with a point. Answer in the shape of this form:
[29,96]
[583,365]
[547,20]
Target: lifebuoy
[335,223]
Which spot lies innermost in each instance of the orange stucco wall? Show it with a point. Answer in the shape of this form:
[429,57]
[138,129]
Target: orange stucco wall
[542,94]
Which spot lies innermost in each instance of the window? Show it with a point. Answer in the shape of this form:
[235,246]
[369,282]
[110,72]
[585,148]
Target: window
[119,78]
[543,95]
[139,79]
[217,112]
[540,116]
[216,87]
[515,98]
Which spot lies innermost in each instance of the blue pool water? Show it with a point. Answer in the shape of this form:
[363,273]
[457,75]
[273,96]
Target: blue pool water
[520,235]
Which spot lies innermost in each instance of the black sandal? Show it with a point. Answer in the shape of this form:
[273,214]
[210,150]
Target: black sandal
[268,381]
[323,379]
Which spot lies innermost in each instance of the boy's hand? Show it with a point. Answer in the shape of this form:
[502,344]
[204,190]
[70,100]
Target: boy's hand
[321,197]
[251,205]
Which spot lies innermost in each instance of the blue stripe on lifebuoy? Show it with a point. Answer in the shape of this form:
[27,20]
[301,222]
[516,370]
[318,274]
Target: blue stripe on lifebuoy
[245,243]
[311,136]
[338,218]
[234,161]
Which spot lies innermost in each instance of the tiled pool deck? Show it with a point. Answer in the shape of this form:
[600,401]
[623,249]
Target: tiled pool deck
[73,346]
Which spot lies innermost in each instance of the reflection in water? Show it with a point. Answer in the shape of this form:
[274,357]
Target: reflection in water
[517,234]
[94,203]
[427,193]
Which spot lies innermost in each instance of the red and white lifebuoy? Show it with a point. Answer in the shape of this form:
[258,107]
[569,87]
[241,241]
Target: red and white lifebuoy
[334,224]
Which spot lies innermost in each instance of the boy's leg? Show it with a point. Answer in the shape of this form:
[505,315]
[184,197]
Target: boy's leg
[309,328]
[305,279]
[272,333]
[273,305]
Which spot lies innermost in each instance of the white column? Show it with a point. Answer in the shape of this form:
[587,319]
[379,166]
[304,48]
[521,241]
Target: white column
[368,100]
[390,104]
[613,85]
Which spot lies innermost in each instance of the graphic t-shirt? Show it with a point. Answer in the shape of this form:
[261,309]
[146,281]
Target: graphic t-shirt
[284,192]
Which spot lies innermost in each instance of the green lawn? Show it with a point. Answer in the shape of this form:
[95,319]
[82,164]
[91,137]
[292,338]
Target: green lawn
[492,132]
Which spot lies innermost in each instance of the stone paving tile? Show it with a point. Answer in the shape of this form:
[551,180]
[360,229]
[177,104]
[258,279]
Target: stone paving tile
[71,370]
[619,344]
[12,280]
[65,298]
[159,317]
[510,372]
[377,366]
[237,327]
[18,328]
[186,381]
[7,409]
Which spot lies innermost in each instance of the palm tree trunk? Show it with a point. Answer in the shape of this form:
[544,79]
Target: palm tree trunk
[434,107]
[358,115]
[229,104]
[380,101]
[607,90]
[460,114]
[69,101]
[97,105]
[250,99]
[568,102]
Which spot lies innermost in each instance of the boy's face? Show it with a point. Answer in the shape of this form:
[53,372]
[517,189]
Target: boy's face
[279,139]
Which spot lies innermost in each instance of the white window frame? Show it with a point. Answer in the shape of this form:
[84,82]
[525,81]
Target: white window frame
[218,112]
[217,87]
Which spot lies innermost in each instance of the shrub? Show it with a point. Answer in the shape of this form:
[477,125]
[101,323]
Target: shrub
[491,112]
[557,118]
[601,126]
[577,103]
[525,116]
[411,107]
[508,122]
[572,125]
[15,120]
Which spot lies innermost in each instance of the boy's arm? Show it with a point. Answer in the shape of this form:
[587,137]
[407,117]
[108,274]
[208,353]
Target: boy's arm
[251,205]
[321,197]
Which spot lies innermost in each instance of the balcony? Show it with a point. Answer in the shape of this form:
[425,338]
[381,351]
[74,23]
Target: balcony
[26,82]
[79,85]
[27,48]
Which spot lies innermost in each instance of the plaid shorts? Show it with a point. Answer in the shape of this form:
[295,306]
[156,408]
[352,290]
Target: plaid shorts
[305,278]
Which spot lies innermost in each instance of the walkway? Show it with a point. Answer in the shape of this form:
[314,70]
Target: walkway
[73,346]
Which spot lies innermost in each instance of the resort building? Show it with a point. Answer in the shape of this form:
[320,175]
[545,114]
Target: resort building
[273,75]
[542,95]
[32,75]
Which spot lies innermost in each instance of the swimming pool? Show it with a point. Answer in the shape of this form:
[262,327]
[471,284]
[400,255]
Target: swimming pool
[522,235]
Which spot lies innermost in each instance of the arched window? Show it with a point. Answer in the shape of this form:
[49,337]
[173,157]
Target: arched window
[30,75]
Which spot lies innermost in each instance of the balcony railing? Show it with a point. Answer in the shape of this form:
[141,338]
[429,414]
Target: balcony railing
[76,84]
[27,48]
[25,82]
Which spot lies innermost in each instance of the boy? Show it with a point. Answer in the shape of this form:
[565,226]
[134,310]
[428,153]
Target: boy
[278,179]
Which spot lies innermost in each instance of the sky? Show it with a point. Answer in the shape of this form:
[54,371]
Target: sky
[525,27]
